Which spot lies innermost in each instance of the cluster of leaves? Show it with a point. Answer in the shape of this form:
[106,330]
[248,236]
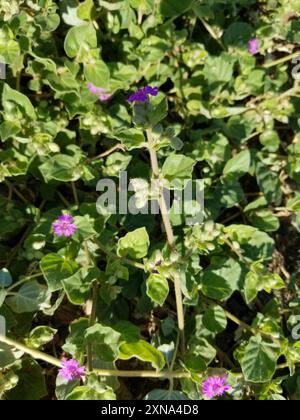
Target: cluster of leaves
[236,118]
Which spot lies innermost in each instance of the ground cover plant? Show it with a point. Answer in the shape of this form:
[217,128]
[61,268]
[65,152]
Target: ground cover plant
[102,304]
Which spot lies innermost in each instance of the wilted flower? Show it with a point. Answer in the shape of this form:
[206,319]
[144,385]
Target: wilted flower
[142,95]
[215,386]
[71,370]
[64,226]
[253,46]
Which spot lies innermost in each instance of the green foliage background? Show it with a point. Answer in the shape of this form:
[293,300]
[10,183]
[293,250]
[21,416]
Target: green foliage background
[237,116]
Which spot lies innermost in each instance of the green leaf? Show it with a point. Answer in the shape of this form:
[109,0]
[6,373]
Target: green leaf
[265,220]
[214,319]
[7,357]
[178,167]
[79,38]
[21,101]
[157,288]
[56,268]
[200,354]
[111,6]
[40,336]
[105,341]
[240,233]
[31,297]
[239,164]
[64,387]
[97,73]
[60,167]
[9,129]
[259,279]
[259,361]
[219,69]
[143,351]
[221,278]
[269,183]
[158,111]
[5,278]
[173,8]
[131,138]
[251,286]
[238,34]
[31,385]
[165,395]
[86,393]
[294,203]
[115,163]
[78,286]
[135,244]
[271,140]
[85,10]
[3,294]
[75,341]
[85,228]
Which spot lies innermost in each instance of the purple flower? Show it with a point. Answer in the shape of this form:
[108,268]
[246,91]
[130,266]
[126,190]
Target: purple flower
[64,226]
[215,386]
[253,46]
[71,370]
[142,95]
[102,95]
[98,91]
[92,88]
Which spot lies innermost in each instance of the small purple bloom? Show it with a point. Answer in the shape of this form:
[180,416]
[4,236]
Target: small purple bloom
[142,95]
[92,88]
[71,370]
[98,91]
[102,95]
[215,386]
[253,46]
[64,226]
[151,91]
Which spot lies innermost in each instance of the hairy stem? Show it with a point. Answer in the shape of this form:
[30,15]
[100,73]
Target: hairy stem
[282,60]
[170,237]
[36,354]
[75,193]
[92,321]
[92,303]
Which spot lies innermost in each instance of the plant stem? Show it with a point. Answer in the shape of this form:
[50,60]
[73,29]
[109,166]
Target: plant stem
[22,198]
[36,354]
[18,283]
[242,324]
[92,321]
[75,193]
[118,146]
[143,373]
[173,362]
[18,81]
[24,280]
[63,199]
[282,60]
[170,237]
[211,32]
[93,302]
